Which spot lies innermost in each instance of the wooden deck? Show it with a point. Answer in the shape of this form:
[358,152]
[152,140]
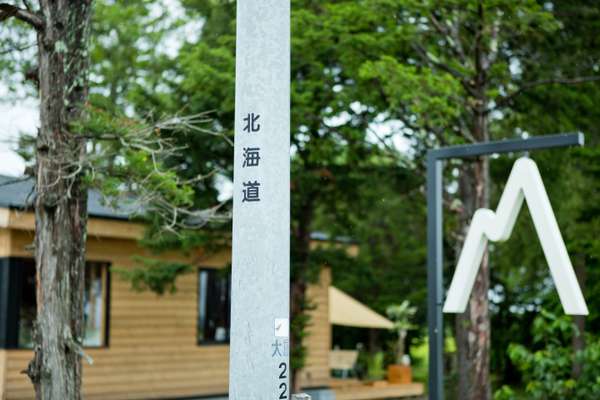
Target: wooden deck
[351,389]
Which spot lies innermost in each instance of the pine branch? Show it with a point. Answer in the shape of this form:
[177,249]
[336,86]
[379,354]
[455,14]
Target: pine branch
[27,5]
[17,48]
[450,36]
[504,101]
[8,10]
[444,67]
[460,77]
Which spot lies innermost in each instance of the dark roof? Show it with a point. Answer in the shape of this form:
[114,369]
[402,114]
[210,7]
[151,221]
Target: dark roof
[14,193]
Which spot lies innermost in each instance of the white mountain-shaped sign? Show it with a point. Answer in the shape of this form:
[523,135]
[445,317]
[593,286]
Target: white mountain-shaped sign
[524,183]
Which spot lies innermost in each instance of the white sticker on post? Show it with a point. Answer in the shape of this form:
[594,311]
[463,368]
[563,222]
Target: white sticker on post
[282,327]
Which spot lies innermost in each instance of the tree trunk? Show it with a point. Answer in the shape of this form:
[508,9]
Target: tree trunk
[473,326]
[579,320]
[61,201]
[373,341]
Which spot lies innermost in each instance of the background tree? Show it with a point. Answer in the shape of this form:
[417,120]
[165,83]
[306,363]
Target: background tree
[482,70]
[470,60]
[370,75]
[375,84]
[330,156]
[62,33]
[81,146]
[571,177]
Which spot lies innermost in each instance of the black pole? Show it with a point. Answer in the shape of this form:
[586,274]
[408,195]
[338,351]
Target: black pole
[435,290]
[435,278]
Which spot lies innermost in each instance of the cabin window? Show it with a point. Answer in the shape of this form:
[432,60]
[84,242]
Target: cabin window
[214,288]
[94,309]
[27,303]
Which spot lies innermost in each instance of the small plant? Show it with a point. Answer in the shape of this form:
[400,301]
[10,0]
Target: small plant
[401,315]
[375,366]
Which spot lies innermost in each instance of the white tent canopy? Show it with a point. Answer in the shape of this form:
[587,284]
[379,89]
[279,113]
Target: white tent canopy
[347,311]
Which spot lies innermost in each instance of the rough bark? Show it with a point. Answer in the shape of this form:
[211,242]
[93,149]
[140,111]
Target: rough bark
[473,326]
[579,320]
[61,200]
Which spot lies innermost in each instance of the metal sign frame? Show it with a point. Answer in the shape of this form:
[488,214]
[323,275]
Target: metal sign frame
[435,251]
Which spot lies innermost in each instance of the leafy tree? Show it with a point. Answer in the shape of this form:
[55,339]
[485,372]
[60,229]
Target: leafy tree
[328,157]
[364,75]
[129,48]
[520,274]
[547,368]
[61,199]
[452,76]
[78,147]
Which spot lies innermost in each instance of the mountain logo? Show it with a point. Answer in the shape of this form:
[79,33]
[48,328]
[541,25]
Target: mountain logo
[524,183]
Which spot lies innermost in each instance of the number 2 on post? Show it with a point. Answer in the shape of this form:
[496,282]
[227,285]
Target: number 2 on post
[283,385]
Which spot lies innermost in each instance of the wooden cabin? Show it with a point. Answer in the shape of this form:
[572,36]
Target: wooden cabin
[143,346]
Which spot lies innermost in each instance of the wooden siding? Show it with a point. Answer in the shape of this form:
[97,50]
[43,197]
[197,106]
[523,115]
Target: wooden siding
[2,371]
[4,243]
[318,340]
[153,352]
[378,391]
[97,227]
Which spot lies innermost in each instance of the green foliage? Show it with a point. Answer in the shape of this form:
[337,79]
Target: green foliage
[505,393]
[376,366]
[419,355]
[140,160]
[437,100]
[17,60]
[547,369]
[402,314]
[443,71]
[129,163]
[154,275]
[366,76]
[520,277]
[386,217]
[299,324]
[126,49]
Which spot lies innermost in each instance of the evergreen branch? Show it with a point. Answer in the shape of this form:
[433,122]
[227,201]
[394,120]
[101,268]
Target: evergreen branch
[450,37]
[152,187]
[444,67]
[17,48]
[27,5]
[464,81]
[8,10]
[503,101]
